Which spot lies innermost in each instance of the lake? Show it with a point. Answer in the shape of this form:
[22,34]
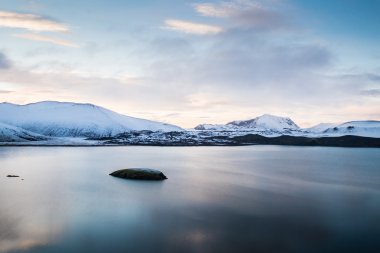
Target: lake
[216,199]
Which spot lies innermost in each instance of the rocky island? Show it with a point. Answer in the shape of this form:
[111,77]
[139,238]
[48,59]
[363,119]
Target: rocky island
[139,173]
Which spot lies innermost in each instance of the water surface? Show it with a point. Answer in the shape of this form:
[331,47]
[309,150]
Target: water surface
[217,199]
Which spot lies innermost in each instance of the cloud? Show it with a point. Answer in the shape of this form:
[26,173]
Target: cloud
[30,22]
[222,83]
[237,60]
[237,74]
[5,91]
[44,38]
[35,23]
[245,13]
[371,92]
[373,77]
[192,28]
[212,10]
[202,100]
[4,61]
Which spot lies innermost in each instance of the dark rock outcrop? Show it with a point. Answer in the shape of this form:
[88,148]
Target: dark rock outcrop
[139,174]
[12,176]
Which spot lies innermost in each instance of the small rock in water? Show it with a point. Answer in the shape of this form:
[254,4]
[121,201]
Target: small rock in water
[142,174]
[13,176]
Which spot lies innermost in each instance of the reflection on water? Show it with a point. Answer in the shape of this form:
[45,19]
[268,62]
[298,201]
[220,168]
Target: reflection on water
[217,199]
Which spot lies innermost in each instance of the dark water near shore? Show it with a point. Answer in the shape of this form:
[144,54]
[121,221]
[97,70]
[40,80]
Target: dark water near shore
[217,199]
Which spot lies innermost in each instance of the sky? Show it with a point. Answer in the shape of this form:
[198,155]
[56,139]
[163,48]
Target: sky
[190,62]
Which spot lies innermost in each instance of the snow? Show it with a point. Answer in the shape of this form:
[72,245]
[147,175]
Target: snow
[320,127]
[11,134]
[271,126]
[368,128]
[266,122]
[62,123]
[74,120]
[215,127]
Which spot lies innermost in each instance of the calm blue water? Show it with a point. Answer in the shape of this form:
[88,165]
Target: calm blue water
[217,199]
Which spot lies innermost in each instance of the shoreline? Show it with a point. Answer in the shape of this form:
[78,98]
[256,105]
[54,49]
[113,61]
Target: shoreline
[348,141]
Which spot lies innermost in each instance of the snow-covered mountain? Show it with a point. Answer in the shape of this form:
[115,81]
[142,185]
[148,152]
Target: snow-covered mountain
[265,122]
[63,119]
[15,134]
[61,123]
[320,128]
[270,126]
[213,127]
[368,128]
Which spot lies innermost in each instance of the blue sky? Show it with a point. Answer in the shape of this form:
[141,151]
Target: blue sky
[190,62]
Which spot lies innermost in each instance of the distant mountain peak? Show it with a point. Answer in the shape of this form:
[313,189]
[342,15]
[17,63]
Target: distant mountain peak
[266,121]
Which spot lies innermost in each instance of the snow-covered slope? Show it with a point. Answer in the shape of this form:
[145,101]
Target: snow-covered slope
[15,134]
[320,127]
[265,125]
[270,126]
[212,127]
[64,119]
[266,122]
[368,128]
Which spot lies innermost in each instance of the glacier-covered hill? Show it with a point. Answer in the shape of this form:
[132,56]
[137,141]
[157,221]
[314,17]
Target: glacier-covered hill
[63,119]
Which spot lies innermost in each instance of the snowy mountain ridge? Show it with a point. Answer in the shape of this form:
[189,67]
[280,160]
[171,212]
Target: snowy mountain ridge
[270,126]
[65,119]
[11,134]
[321,127]
[65,123]
[264,122]
[368,128]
